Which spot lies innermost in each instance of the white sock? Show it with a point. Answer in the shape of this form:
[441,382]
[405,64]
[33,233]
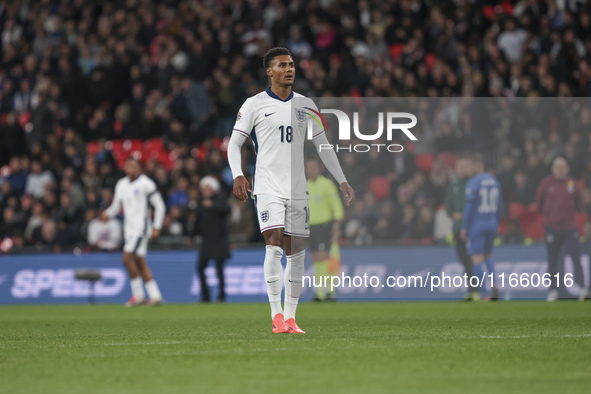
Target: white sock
[137,288]
[153,290]
[273,270]
[294,271]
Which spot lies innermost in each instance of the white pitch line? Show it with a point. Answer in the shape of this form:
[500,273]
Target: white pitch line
[265,340]
[536,336]
[147,343]
[206,352]
[181,342]
[522,336]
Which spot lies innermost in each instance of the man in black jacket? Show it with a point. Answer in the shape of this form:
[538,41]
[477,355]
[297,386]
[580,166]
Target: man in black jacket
[212,212]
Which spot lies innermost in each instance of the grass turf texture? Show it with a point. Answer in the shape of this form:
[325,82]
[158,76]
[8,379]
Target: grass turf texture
[404,347]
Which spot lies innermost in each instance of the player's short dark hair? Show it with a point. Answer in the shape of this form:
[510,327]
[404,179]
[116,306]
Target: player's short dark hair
[131,158]
[273,53]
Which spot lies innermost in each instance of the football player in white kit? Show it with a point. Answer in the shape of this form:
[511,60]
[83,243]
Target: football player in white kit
[279,183]
[135,193]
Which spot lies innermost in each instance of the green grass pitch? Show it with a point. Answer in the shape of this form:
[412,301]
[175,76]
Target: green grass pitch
[402,347]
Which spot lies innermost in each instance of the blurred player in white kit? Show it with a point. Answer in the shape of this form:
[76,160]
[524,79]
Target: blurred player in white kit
[135,193]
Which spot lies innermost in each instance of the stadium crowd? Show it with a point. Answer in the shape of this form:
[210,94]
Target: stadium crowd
[78,78]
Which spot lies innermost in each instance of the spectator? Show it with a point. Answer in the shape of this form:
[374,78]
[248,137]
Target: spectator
[446,141]
[38,179]
[409,214]
[424,225]
[90,177]
[18,176]
[211,225]
[12,139]
[70,215]
[174,223]
[46,235]
[6,193]
[10,225]
[299,48]
[179,195]
[35,220]
[511,40]
[388,225]
[523,192]
[103,236]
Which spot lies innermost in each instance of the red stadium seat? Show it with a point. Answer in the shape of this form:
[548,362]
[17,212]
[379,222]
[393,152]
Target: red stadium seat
[167,159]
[120,160]
[516,210]
[448,158]
[24,118]
[118,127]
[92,147]
[380,187]
[153,144]
[201,153]
[114,146]
[132,145]
[396,50]
[217,142]
[424,161]
[488,11]
[503,226]
[430,60]
[409,147]
[152,153]
[224,146]
[533,226]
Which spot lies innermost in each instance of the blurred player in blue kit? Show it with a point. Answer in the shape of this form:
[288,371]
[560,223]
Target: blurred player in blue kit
[482,214]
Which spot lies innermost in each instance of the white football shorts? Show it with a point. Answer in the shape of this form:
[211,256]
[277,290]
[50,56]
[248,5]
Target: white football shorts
[137,245]
[276,212]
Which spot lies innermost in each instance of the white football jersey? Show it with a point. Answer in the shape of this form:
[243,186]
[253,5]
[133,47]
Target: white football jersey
[135,198]
[279,133]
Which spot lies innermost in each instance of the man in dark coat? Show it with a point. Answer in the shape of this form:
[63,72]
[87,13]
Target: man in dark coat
[212,212]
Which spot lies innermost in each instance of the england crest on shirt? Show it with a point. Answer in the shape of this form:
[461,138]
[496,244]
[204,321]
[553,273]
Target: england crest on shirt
[264,216]
[300,115]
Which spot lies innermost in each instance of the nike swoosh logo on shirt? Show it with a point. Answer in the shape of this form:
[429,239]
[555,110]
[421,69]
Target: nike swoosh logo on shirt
[269,114]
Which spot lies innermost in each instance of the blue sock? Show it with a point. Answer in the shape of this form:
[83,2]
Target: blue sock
[478,270]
